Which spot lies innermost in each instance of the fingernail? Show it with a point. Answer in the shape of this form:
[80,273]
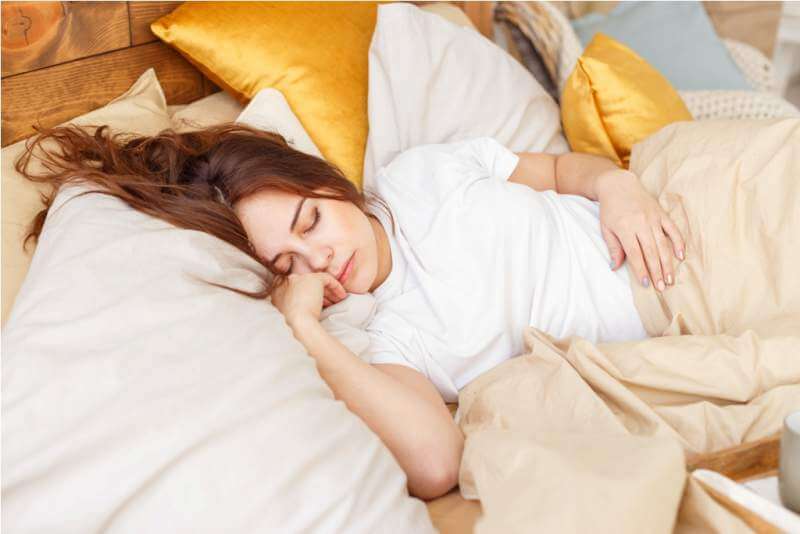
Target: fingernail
[669,279]
[645,281]
[660,285]
[680,254]
[611,264]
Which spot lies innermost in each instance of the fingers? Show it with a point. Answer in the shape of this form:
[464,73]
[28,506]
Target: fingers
[652,258]
[615,249]
[635,258]
[665,257]
[334,290]
[671,229]
[329,298]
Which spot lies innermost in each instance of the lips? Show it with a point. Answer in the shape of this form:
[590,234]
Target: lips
[346,270]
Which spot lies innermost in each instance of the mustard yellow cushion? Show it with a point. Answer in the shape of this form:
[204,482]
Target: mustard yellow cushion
[315,53]
[614,99]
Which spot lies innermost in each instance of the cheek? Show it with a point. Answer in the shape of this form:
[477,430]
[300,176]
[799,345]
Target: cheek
[348,230]
[369,249]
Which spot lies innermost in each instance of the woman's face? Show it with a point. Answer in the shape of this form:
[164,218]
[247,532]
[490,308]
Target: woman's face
[301,235]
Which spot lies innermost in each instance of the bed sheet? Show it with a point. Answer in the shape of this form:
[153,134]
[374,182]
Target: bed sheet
[573,436]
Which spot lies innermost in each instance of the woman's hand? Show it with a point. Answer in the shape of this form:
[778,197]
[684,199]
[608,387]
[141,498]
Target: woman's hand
[634,225]
[302,296]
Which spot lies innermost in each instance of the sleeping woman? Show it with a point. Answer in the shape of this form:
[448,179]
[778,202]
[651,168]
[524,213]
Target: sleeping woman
[463,245]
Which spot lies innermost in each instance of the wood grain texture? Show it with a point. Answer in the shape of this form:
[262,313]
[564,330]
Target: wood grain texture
[742,462]
[209,87]
[56,94]
[142,14]
[38,35]
[67,58]
[481,14]
[453,514]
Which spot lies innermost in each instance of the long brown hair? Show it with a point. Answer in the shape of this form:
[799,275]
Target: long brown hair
[190,180]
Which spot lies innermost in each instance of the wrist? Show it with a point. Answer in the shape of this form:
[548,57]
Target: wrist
[611,179]
[301,322]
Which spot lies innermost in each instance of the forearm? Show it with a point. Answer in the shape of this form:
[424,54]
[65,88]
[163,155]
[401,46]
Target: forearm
[420,438]
[577,174]
[572,173]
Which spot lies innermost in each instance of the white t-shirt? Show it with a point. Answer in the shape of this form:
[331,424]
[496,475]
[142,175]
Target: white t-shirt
[476,259]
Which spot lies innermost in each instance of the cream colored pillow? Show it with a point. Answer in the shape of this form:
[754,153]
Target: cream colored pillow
[210,110]
[449,12]
[268,110]
[141,109]
[139,398]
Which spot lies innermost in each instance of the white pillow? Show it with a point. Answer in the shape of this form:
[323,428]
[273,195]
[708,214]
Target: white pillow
[213,109]
[431,81]
[142,109]
[138,398]
[268,110]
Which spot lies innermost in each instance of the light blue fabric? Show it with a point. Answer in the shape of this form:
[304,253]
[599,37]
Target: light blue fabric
[677,38]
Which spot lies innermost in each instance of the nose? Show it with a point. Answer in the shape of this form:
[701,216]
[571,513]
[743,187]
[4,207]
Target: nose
[320,258]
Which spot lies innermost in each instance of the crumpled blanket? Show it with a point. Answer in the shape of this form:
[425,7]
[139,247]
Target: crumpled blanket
[577,437]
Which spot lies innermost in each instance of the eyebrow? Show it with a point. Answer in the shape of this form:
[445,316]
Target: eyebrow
[291,227]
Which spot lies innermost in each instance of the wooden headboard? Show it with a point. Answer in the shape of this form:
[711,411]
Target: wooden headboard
[64,59]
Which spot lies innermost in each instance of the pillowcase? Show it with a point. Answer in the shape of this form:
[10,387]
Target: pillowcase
[614,99]
[315,53]
[141,109]
[175,405]
[210,110]
[431,81]
[449,12]
[677,38]
[268,110]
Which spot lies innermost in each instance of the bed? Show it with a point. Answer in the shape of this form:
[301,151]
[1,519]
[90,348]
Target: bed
[64,59]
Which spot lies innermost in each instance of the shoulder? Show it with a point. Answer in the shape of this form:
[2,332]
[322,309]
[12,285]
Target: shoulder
[427,174]
[465,147]
[423,160]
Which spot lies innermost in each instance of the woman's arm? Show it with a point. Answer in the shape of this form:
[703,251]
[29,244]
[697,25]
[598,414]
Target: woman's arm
[572,173]
[399,404]
[632,222]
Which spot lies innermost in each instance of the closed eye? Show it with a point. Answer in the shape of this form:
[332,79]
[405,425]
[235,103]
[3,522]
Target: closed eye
[287,271]
[316,220]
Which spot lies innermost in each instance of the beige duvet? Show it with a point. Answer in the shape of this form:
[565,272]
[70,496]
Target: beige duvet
[576,437]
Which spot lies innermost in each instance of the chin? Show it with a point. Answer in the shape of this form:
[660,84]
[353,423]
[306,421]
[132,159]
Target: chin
[356,289]
[359,285]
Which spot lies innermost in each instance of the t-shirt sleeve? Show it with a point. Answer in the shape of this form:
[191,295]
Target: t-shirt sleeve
[498,161]
[442,166]
[419,181]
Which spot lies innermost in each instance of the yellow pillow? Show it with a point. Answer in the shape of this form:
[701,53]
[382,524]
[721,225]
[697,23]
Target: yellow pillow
[614,99]
[315,53]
